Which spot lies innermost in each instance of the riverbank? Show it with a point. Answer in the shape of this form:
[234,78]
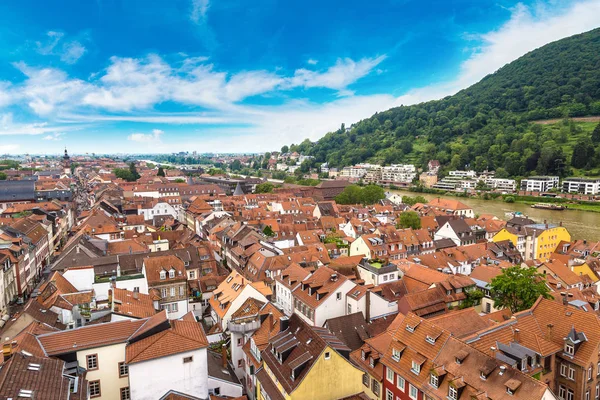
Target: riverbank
[578,205]
[582,224]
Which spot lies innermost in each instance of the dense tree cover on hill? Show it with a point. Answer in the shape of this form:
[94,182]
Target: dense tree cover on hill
[488,125]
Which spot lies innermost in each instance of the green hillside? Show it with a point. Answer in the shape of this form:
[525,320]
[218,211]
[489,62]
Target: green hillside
[488,125]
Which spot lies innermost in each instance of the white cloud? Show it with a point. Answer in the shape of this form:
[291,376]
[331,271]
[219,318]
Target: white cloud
[5,96]
[339,76]
[135,84]
[46,88]
[69,52]
[130,88]
[9,127]
[72,52]
[147,138]
[528,29]
[199,10]
[47,48]
[54,136]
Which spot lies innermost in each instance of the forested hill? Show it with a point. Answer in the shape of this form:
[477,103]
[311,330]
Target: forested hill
[488,124]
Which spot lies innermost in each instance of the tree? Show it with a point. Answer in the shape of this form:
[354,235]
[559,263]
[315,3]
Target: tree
[266,187]
[583,153]
[409,219]
[236,165]
[285,149]
[179,180]
[352,194]
[124,174]
[3,176]
[472,298]
[161,172]
[596,134]
[509,199]
[371,194]
[268,231]
[518,288]
[133,171]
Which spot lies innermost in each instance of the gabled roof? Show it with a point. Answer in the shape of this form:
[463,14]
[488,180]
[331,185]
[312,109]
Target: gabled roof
[88,337]
[352,329]
[183,336]
[304,345]
[46,382]
[105,334]
[319,286]
[133,305]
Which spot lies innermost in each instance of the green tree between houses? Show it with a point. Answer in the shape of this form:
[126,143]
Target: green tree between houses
[409,219]
[161,172]
[268,231]
[266,187]
[518,288]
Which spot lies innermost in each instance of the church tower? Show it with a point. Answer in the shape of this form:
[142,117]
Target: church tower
[67,162]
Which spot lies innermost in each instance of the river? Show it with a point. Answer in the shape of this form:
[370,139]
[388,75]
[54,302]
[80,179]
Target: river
[581,224]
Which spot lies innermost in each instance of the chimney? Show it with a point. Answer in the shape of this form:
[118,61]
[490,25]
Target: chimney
[565,299]
[224,356]
[7,350]
[77,249]
[368,306]
[516,336]
[136,293]
[560,223]
[284,323]
[549,331]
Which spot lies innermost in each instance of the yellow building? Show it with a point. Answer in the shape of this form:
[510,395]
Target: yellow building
[584,269]
[536,241]
[305,362]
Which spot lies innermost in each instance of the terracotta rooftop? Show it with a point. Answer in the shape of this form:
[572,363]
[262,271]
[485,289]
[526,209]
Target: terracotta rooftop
[183,336]
[45,383]
[134,305]
[92,336]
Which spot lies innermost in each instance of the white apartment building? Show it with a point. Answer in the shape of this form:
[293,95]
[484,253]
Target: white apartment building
[509,185]
[401,173]
[539,183]
[356,171]
[589,186]
[463,174]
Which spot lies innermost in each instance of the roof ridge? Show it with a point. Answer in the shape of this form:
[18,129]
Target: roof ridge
[155,338]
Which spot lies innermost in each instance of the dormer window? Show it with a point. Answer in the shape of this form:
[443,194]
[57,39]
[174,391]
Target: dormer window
[396,354]
[452,393]
[416,367]
[569,348]
[433,380]
[163,275]
[362,355]
[172,273]
[371,362]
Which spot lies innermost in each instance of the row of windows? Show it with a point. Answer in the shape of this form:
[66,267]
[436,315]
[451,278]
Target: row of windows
[171,308]
[400,382]
[93,364]
[95,390]
[172,291]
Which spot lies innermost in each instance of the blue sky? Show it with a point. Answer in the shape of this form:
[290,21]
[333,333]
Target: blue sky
[238,76]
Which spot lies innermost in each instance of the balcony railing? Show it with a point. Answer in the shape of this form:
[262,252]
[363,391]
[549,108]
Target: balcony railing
[244,327]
